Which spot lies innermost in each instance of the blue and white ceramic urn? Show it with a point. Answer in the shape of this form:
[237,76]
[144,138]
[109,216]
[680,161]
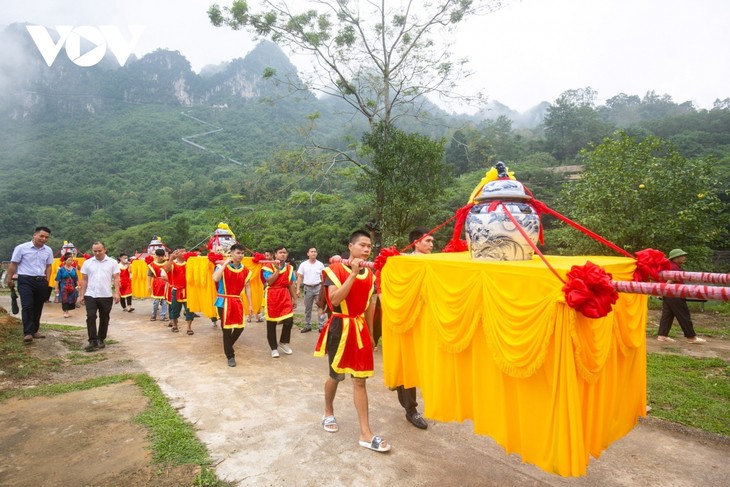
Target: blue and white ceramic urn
[490,232]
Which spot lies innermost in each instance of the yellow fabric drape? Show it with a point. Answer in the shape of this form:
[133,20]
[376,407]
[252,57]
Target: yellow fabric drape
[138,268]
[496,343]
[202,290]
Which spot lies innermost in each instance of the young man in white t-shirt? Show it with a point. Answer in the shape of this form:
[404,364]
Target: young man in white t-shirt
[309,275]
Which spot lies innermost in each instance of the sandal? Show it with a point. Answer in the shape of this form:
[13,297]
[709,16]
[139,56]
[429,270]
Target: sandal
[191,332]
[329,423]
[662,338]
[696,340]
[376,444]
[175,329]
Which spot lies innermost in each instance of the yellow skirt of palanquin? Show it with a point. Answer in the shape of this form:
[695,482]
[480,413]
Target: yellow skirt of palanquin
[496,343]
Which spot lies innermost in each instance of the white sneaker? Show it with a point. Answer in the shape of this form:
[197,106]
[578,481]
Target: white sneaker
[274,354]
[285,348]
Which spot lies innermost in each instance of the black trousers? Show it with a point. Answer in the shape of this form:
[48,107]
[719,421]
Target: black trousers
[230,335]
[285,332]
[33,292]
[407,399]
[672,307]
[102,307]
[126,301]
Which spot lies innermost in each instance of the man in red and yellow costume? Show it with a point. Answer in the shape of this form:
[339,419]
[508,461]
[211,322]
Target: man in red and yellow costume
[233,278]
[125,282]
[346,336]
[177,293]
[157,284]
[280,300]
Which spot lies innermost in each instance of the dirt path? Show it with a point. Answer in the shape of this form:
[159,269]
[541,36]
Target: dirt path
[260,421]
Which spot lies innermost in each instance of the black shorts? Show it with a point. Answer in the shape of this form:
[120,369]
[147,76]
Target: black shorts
[333,342]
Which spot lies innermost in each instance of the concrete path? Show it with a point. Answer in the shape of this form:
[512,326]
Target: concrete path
[261,421]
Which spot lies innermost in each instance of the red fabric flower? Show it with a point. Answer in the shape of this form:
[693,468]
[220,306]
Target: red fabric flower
[215,257]
[258,257]
[649,263]
[187,255]
[149,259]
[589,290]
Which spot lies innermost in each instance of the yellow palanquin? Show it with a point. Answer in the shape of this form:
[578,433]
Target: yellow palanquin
[496,343]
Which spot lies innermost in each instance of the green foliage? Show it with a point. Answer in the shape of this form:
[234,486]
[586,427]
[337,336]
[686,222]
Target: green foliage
[571,123]
[409,172]
[644,194]
[691,391]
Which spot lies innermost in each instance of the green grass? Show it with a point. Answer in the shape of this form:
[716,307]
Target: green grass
[56,389]
[84,358]
[691,391]
[55,327]
[15,358]
[173,439]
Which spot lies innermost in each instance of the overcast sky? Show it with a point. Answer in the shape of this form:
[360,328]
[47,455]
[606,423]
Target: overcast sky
[528,52]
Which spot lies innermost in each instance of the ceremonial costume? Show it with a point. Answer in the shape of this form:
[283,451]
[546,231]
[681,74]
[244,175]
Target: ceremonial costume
[345,336]
[156,270]
[276,296]
[230,305]
[159,285]
[177,291]
[278,306]
[125,280]
[125,285]
[229,302]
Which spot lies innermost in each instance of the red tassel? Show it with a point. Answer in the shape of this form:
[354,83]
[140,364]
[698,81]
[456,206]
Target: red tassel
[456,244]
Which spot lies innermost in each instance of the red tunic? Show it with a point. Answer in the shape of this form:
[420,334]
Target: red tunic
[159,285]
[354,354]
[277,299]
[177,279]
[125,281]
[230,287]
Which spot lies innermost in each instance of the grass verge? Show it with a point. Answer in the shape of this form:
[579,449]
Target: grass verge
[690,391]
[173,439]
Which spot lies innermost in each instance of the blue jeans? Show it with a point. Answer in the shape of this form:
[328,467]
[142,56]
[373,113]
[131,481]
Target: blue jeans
[162,305]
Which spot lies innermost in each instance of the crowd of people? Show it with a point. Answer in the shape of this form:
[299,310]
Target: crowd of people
[344,293]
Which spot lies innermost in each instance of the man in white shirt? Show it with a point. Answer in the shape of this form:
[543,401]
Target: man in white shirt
[309,274]
[96,292]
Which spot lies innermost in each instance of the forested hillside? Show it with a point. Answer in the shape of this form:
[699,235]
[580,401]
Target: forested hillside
[154,149]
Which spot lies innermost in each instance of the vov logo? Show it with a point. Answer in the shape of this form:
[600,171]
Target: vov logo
[101,37]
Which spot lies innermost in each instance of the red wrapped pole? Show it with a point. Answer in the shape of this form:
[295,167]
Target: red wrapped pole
[337,259]
[673,290]
[708,277]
